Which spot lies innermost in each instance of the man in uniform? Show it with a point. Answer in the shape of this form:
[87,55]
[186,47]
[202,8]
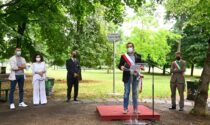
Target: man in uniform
[178,68]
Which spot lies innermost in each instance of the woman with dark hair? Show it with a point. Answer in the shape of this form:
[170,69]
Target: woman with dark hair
[39,76]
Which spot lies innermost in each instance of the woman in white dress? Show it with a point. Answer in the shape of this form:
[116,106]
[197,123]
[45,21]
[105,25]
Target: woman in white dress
[39,76]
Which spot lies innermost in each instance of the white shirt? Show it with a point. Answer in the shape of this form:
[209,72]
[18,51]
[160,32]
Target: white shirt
[38,67]
[13,65]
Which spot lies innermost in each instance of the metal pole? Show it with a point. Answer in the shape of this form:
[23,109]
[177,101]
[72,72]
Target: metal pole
[114,49]
[153,91]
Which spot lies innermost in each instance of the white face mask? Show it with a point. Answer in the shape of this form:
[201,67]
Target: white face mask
[18,53]
[130,50]
[38,59]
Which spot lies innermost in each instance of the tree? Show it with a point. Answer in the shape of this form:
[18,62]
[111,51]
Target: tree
[194,40]
[45,25]
[148,37]
[153,44]
[197,13]
[22,18]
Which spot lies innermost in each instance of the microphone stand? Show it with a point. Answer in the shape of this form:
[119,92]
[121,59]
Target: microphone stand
[151,63]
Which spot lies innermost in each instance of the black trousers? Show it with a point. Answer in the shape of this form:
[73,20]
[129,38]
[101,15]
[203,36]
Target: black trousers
[70,83]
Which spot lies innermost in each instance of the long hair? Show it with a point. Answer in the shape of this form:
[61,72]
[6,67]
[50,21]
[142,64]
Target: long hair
[34,58]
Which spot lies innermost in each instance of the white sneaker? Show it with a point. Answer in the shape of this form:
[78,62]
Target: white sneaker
[12,106]
[135,111]
[22,104]
[125,111]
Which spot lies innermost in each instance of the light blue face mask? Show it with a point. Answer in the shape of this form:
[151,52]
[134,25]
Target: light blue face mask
[130,50]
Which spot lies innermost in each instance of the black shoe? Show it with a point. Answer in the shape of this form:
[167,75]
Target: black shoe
[68,100]
[172,108]
[76,100]
[181,109]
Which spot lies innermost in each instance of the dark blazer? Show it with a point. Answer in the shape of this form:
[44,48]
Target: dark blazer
[72,67]
[126,74]
[178,75]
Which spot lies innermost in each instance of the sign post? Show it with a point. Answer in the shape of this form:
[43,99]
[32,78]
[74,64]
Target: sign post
[114,37]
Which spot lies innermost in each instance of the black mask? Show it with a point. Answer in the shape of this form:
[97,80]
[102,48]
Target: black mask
[74,56]
[178,58]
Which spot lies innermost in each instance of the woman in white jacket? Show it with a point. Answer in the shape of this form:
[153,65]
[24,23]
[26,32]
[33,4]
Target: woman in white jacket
[39,76]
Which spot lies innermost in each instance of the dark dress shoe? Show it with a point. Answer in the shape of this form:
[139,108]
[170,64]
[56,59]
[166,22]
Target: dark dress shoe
[76,100]
[68,100]
[172,108]
[181,109]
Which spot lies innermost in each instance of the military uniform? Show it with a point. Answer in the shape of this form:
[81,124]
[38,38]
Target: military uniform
[178,68]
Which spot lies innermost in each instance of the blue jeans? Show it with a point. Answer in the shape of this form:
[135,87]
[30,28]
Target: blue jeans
[20,81]
[134,93]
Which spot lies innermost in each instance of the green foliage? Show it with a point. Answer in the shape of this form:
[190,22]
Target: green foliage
[194,24]
[152,43]
[194,45]
[55,27]
[94,47]
[196,35]
[39,18]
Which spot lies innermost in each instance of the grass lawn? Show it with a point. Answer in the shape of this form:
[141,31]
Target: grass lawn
[98,84]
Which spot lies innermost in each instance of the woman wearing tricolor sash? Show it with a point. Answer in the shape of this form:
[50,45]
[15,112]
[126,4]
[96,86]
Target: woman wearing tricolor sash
[178,68]
[126,61]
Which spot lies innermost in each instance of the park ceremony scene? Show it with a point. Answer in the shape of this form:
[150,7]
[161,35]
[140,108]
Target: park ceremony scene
[104,62]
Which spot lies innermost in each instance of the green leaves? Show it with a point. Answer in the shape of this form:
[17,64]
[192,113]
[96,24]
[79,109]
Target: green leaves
[194,22]
[55,27]
[152,43]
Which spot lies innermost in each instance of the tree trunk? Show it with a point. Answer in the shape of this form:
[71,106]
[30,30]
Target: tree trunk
[78,38]
[149,70]
[79,33]
[164,69]
[192,69]
[80,75]
[200,107]
[108,71]
[21,30]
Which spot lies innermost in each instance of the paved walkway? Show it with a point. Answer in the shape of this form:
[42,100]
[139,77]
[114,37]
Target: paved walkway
[148,100]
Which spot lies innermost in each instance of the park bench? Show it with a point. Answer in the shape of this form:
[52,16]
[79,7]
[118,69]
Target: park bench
[3,92]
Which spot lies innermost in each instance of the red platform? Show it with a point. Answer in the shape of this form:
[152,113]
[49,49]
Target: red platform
[115,112]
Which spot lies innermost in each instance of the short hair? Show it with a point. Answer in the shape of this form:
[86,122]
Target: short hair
[34,57]
[73,51]
[178,52]
[130,43]
[17,48]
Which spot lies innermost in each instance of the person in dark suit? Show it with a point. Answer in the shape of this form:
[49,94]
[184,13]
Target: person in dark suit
[126,60]
[73,71]
[178,68]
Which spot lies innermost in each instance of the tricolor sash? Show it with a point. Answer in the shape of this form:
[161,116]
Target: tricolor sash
[130,62]
[128,59]
[177,64]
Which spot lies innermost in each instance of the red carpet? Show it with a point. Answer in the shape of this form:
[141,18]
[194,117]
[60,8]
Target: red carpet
[115,112]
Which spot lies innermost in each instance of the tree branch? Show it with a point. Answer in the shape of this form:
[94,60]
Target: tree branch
[11,3]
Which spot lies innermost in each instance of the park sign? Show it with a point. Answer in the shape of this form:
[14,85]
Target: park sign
[114,37]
